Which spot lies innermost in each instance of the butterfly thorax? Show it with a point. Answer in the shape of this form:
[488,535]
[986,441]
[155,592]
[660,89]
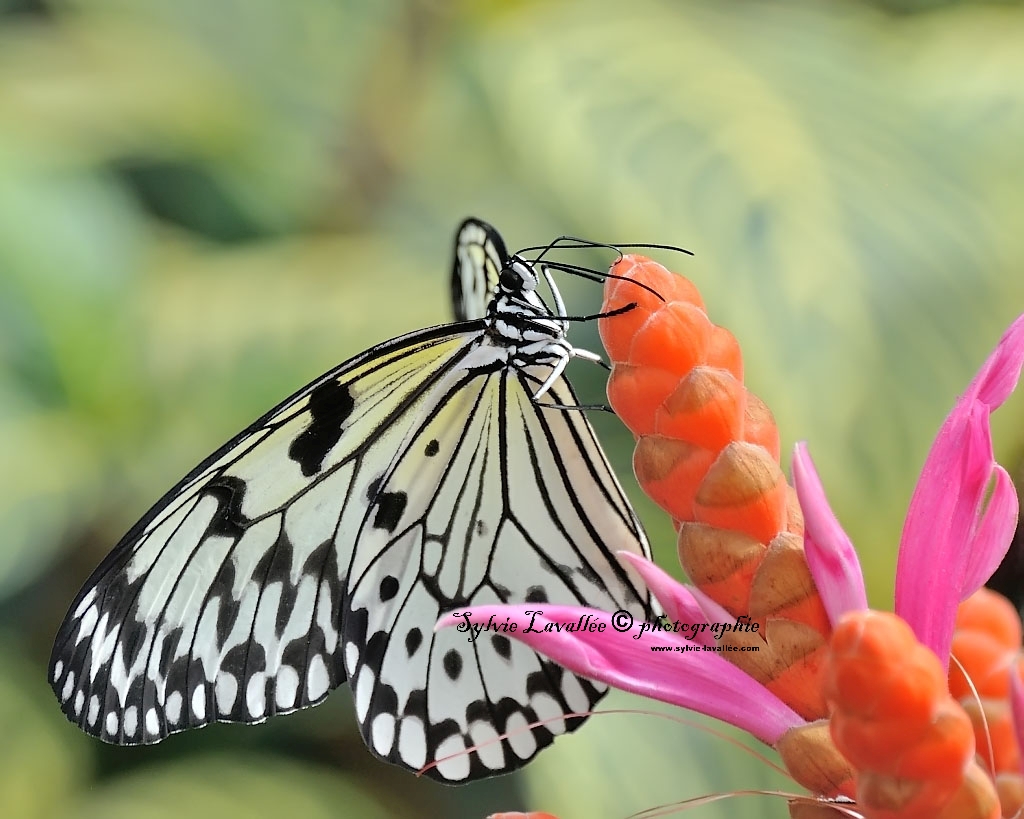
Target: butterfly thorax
[518,319]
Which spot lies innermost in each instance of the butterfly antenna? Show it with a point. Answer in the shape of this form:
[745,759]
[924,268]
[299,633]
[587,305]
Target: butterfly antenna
[599,275]
[574,243]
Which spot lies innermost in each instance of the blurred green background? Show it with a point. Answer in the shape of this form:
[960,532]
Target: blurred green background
[203,205]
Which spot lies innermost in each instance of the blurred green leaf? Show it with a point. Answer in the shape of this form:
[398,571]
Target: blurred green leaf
[39,771]
[216,786]
[49,469]
[622,764]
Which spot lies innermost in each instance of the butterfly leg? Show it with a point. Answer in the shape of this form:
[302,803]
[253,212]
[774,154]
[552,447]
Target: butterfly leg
[561,353]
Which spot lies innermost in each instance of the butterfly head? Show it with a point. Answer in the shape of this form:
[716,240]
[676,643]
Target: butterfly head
[517,277]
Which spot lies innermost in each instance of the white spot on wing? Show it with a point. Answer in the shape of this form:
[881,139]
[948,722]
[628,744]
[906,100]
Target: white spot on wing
[456,768]
[102,646]
[575,696]
[111,723]
[152,723]
[287,687]
[199,699]
[412,743]
[69,686]
[94,709]
[227,690]
[316,678]
[382,733]
[173,707]
[131,720]
[488,747]
[351,658]
[256,695]
[87,624]
[85,602]
[548,711]
[519,736]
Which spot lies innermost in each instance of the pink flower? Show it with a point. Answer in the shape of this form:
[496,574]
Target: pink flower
[961,518]
[958,528]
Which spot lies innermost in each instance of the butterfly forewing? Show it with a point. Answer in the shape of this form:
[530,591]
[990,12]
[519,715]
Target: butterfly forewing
[224,603]
[324,542]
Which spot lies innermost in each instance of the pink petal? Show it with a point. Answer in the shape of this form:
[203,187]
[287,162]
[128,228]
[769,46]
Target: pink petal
[932,561]
[988,546]
[1017,706]
[697,679]
[948,516]
[830,554]
[1000,373]
[681,603]
[714,612]
[674,597]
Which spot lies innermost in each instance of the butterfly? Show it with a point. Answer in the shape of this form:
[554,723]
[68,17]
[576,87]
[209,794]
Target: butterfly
[448,467]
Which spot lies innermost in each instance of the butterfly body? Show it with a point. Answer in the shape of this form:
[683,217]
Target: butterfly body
[322,544]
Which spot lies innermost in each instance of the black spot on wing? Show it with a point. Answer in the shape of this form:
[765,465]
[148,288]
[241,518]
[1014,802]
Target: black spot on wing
[390,506]
[536,594]
[228,520]
[296,654]
[356,624]
[388,588]
[416,705]
[133,637]
[169,644]
[276,567]
[385,701]
[373,654]
[452,663]
[432,448]
[588,573]
[413,640]
[330,404]
[503,646]
[227,612]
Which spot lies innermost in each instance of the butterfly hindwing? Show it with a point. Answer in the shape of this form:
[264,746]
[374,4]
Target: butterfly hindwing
[540,544]
[480,255]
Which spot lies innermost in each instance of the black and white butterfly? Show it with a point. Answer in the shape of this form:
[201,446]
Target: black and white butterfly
[445,468]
